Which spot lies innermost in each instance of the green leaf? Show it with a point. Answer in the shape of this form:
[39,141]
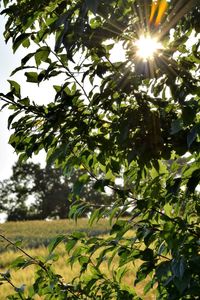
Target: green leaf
[178,267]
[59,21]
[32,77]
[79,184]
[182,284]
[193,135]
[15,87]
[57,88]
[143,271]
[70,245]
[95,215]
[193,181]
[78,235]
[61,35]
[10,120]
[120,273]
[19,40]
[52,257]
[18,263]
[148,287]
[41,55]
[115,165]
[147,255]
[26,58]
[55,242]
[25,101]
[26,43]
[176,126]
[118,226]
[163,269]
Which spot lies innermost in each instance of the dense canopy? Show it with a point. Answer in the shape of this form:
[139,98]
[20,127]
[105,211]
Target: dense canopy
[118,117]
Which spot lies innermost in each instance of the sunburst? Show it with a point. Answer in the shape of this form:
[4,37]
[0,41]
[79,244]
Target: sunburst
[147,47]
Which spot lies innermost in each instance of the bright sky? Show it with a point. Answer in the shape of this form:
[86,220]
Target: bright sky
[9,62]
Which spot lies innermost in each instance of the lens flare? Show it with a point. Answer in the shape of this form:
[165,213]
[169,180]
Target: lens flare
[158,9]
[147,47]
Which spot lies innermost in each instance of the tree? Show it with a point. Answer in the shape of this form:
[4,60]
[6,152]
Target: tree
[46,188]
[135,120]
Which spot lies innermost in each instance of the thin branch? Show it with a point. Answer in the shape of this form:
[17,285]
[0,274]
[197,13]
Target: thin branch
[165,257]
[38,262]
[12,102]
[24,252]
[10,282]
[70,73]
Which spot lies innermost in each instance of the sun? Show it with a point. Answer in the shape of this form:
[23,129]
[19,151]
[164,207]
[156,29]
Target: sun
[147,47]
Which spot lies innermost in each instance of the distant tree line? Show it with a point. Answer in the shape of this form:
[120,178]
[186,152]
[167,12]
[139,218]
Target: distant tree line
[36,193]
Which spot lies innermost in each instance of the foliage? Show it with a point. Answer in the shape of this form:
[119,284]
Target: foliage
[47,189]
[136,120]
[41,232]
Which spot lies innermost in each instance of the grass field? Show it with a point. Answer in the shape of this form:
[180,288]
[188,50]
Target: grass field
[35,236]
[38,233]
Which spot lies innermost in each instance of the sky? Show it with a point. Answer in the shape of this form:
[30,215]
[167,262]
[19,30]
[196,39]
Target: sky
[9,62]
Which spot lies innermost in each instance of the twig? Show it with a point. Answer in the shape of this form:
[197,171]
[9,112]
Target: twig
[10,282]
[38,262]
[25,253]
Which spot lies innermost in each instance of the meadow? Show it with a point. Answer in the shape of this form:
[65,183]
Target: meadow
[35,236]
